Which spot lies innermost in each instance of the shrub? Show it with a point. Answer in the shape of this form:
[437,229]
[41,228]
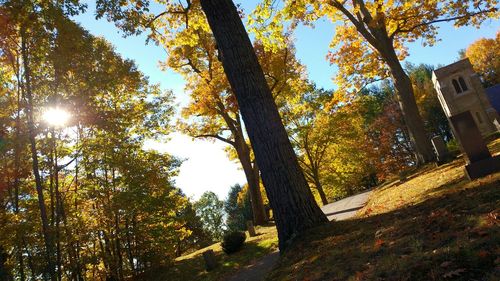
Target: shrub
[453,146]
[233,241]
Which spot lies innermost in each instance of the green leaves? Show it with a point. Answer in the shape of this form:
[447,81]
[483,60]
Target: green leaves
[211,211]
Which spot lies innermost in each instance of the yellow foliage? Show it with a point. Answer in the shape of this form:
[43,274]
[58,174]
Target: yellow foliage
[484,54]
[368,32]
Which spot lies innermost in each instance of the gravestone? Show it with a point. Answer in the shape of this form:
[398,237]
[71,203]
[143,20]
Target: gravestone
[479,160]
[442,153]
[210,261]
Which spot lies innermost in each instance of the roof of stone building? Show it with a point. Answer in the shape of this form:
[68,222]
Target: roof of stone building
[451,68]
[493,94]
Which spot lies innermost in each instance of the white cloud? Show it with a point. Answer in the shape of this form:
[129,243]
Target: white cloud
[206,166]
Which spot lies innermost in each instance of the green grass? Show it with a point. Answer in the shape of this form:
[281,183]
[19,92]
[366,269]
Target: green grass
[192,267]
[436,225]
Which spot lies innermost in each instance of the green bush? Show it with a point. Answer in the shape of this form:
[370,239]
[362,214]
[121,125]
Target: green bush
[233,241]
[453,146]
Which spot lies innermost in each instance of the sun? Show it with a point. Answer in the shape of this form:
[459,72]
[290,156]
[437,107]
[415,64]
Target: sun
[56,117]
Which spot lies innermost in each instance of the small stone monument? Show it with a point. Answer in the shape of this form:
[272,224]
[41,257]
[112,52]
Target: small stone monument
[251,229]
[210,261]
[442,153]
[479,160]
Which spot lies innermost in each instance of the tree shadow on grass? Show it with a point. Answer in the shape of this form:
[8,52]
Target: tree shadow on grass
[193,269]
[451,237]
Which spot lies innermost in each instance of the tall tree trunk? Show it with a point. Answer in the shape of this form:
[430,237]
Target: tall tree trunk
[52,205]
[17,175]
[385,46]
[118,249]
[420,141]
[34,156]
[105,254]
[59,211]
[292,202]
[377,36]
[118,244]
[129,247]
[256,178]
[243,151]
[319,188]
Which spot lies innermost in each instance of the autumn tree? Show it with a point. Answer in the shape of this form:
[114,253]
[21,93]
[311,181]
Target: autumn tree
[211,211]
[212,112]
[348,144]
[485,57]
[305,117]
[111,208]
[330,138]
[370,38]
[236,208]
[291,200]
[27,41]
[199,236]
[293,206]
[386,134]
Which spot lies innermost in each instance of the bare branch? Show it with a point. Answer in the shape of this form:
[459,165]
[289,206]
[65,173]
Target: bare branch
[397,31]
[184,12]
[216,137]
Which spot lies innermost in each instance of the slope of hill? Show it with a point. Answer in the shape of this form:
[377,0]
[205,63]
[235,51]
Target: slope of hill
[435,226]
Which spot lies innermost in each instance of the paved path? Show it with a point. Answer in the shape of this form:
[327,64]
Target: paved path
[340,210]
[258,270]
[347,207]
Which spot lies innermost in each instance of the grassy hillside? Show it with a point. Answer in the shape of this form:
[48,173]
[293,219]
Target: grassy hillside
[435,226]
[192,267]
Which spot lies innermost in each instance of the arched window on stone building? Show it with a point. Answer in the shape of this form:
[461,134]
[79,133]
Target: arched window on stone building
[458,90]
[462,83]
[459,85]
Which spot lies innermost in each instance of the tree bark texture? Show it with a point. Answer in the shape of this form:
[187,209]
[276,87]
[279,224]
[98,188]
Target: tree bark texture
[292,202]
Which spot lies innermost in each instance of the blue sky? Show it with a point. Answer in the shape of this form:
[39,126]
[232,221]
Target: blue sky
[207,167]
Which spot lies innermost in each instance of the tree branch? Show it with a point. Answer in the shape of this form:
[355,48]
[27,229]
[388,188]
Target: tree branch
[60,167]
[184,12]
[216,137]
[359,25]
[440,20]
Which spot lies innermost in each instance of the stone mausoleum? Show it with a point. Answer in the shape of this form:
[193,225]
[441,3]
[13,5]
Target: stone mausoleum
[459,89]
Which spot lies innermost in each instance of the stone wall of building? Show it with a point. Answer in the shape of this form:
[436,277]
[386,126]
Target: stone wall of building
[459,89]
